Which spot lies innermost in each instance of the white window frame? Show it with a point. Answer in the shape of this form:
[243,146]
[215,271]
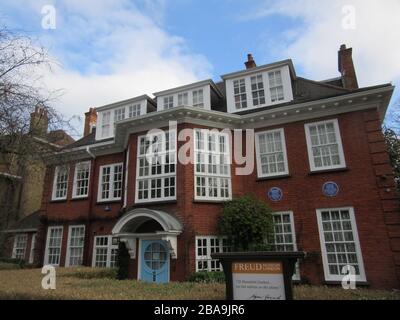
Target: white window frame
[46,256]
[207,258]
[54,191]
[111,182]
[75,186]
[106,124]
[284,151]
[198,98]
[32,251]
[168,102]
[328,277]
[276,86]
[19,239]
[257,90]
[119,113]
[338,141]
[207,175]
[296,275]
[183,99]
[69,247]
[241,82]
[134,110]
[109,247]
[163,176]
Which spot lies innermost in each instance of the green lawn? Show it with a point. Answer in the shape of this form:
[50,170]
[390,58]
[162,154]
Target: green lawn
[88,283]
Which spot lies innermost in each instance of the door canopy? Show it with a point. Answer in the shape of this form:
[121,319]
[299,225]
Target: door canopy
[148,224]
[132,221]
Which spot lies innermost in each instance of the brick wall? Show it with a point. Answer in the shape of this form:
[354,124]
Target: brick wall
[363,185]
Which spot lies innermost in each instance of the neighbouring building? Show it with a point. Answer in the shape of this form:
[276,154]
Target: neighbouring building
[320,162]
[22,176]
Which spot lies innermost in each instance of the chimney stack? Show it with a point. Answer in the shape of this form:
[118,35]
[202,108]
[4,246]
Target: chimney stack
[39,122]
[90,121]
[250,63]
[346,68]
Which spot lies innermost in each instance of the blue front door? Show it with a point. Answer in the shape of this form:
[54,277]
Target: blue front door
[154,261]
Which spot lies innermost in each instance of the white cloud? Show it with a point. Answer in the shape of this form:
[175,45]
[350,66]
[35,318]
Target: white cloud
[121,52]
[314,45]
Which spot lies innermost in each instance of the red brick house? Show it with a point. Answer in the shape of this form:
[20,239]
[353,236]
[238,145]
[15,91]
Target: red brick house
[320,162]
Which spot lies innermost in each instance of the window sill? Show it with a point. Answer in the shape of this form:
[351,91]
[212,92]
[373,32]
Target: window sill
[210,201]
[107,202]
[155,202]
[339,283]
[80,198]
[344,169]
[283,176]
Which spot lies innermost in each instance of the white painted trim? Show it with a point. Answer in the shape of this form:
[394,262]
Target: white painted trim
[339,143]
[46,255]
[16,237]
[161,176]
[296,275]
[56,171]
[68,254]
[74,188]
[286,83]
[111,182]
[208,247]
[32,251]
[126,174]
[329,277]
[110,246]
[258,156]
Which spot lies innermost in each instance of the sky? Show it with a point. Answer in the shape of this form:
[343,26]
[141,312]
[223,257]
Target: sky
[110,50]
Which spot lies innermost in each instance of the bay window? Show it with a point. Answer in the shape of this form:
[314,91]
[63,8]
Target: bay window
[212,165]
[156,167]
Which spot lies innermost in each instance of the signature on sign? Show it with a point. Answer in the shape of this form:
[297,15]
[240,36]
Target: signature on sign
[266,297]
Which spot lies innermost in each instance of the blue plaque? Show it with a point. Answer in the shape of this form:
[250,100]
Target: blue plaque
[275,194]
[330,189]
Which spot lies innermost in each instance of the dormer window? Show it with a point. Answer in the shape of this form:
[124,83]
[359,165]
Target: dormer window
[134,110]
[276,86]
[105,124]
[198,99]
[257,90]
[239,87]
[183,99]
[168,102]
[119,114]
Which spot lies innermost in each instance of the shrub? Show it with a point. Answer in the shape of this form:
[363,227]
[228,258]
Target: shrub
[122,261]
[93,273]
[207,277]
[248,224]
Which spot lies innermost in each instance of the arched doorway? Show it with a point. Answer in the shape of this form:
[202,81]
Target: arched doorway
[156,234]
